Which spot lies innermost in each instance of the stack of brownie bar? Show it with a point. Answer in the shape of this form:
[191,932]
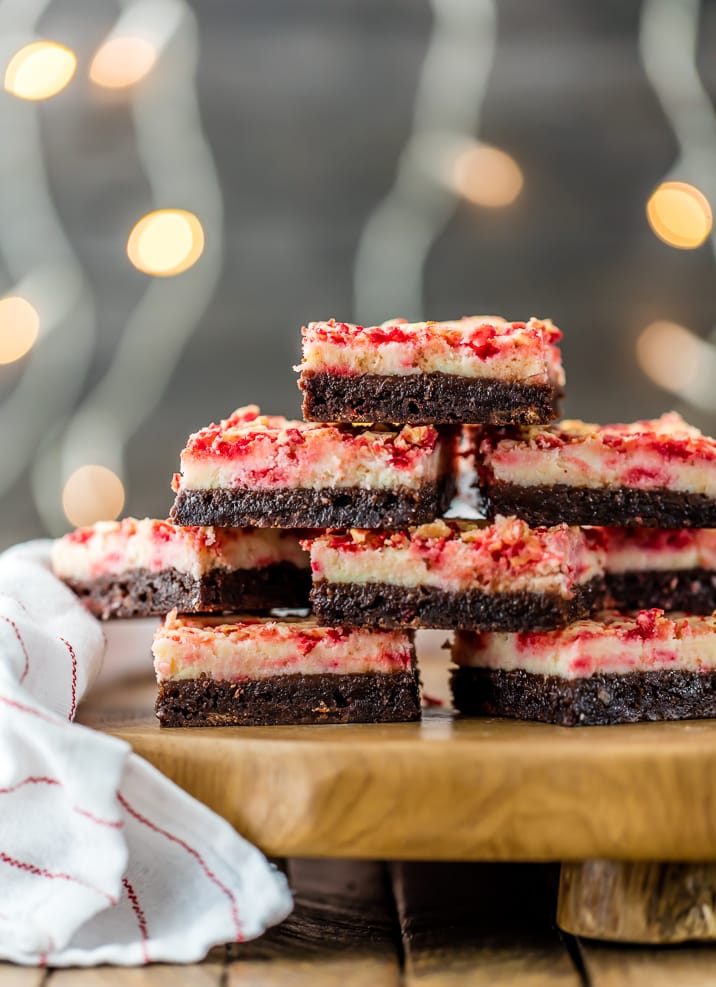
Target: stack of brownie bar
[649,488]
[371,470]
[368,476]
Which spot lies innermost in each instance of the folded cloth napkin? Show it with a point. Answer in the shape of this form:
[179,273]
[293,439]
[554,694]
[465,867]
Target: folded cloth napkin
[102,858]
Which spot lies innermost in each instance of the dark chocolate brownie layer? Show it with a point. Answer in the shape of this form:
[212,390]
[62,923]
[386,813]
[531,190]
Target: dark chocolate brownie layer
[622,506]
[385,605]
[142,593]
[336,507]
[688,590]
[597,700]
[419,399]
[290,699]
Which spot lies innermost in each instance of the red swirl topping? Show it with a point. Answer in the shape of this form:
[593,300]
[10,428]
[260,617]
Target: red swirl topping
[469,551]
[479,333]
[242,433]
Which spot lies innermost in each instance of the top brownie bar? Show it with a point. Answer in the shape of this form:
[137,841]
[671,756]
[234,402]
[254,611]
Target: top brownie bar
[474,370]
[265,471]
[659,473]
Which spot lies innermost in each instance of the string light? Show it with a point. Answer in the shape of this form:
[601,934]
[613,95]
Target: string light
[670,355]
[487,176]
[176,156]
[40,70]
[40,261]
[92,493]
[166,242]
[19,327]
[122,62]
[144,32]
[680,215]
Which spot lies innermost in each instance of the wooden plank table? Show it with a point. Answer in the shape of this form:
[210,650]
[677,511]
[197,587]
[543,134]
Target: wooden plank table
[367,924]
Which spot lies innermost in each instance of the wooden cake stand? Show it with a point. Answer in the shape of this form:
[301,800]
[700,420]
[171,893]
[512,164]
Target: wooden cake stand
[610,803]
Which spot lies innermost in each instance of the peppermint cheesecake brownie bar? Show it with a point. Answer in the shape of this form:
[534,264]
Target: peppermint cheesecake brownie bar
[477,369]
[264,470]
[504,576]
[134,568]
[248,671]
[659,473]
[674,569]
[618,669]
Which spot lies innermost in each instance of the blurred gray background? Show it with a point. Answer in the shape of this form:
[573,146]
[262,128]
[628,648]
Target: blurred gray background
[308,110]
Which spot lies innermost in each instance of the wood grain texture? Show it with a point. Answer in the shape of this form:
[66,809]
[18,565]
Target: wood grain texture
[342,932]
[667,966]
[503,790]
[207,974]
[319,970]
[21,976]
[638,902]
[470,925]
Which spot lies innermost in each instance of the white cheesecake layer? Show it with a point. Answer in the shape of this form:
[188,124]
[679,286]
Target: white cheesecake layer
[115,547]
[645,642]
[477,346]
[505,557]
[665,453]
[660,549]
[230,649]
[259,452]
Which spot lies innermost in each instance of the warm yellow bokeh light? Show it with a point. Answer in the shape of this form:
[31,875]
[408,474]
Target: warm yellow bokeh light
[40,70]
[670,355]
[122,62]
[166,242]
[92,493]
[19,326]
[680,215]
[487,176]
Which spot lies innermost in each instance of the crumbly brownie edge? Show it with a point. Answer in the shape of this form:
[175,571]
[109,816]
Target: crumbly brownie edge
[627,506]
[432,398]
[143,593]
[386,605]
[300,507]
[290,699]
[689,590]
[598,700]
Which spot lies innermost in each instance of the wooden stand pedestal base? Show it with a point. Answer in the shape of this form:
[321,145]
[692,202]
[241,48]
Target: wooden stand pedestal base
[638,902]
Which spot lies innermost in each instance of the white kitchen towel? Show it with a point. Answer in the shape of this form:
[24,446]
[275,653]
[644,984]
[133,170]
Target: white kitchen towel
[102,858]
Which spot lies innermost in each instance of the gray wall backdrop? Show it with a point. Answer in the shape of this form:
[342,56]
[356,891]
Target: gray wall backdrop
[307,106]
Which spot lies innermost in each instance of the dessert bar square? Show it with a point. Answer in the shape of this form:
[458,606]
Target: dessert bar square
[134,568]
[505,576]
[244,671]
[659,473]
[615,669]
[262,470]
[477,369]
[670,568]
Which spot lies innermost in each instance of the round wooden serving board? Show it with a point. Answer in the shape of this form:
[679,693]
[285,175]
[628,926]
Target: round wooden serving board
[441,789]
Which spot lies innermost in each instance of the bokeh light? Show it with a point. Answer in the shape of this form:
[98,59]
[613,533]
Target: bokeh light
[40,70]
[92,493]
[680,215]
[670,355]
[19,327]
[487,176]
[122,62]
[166,242]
